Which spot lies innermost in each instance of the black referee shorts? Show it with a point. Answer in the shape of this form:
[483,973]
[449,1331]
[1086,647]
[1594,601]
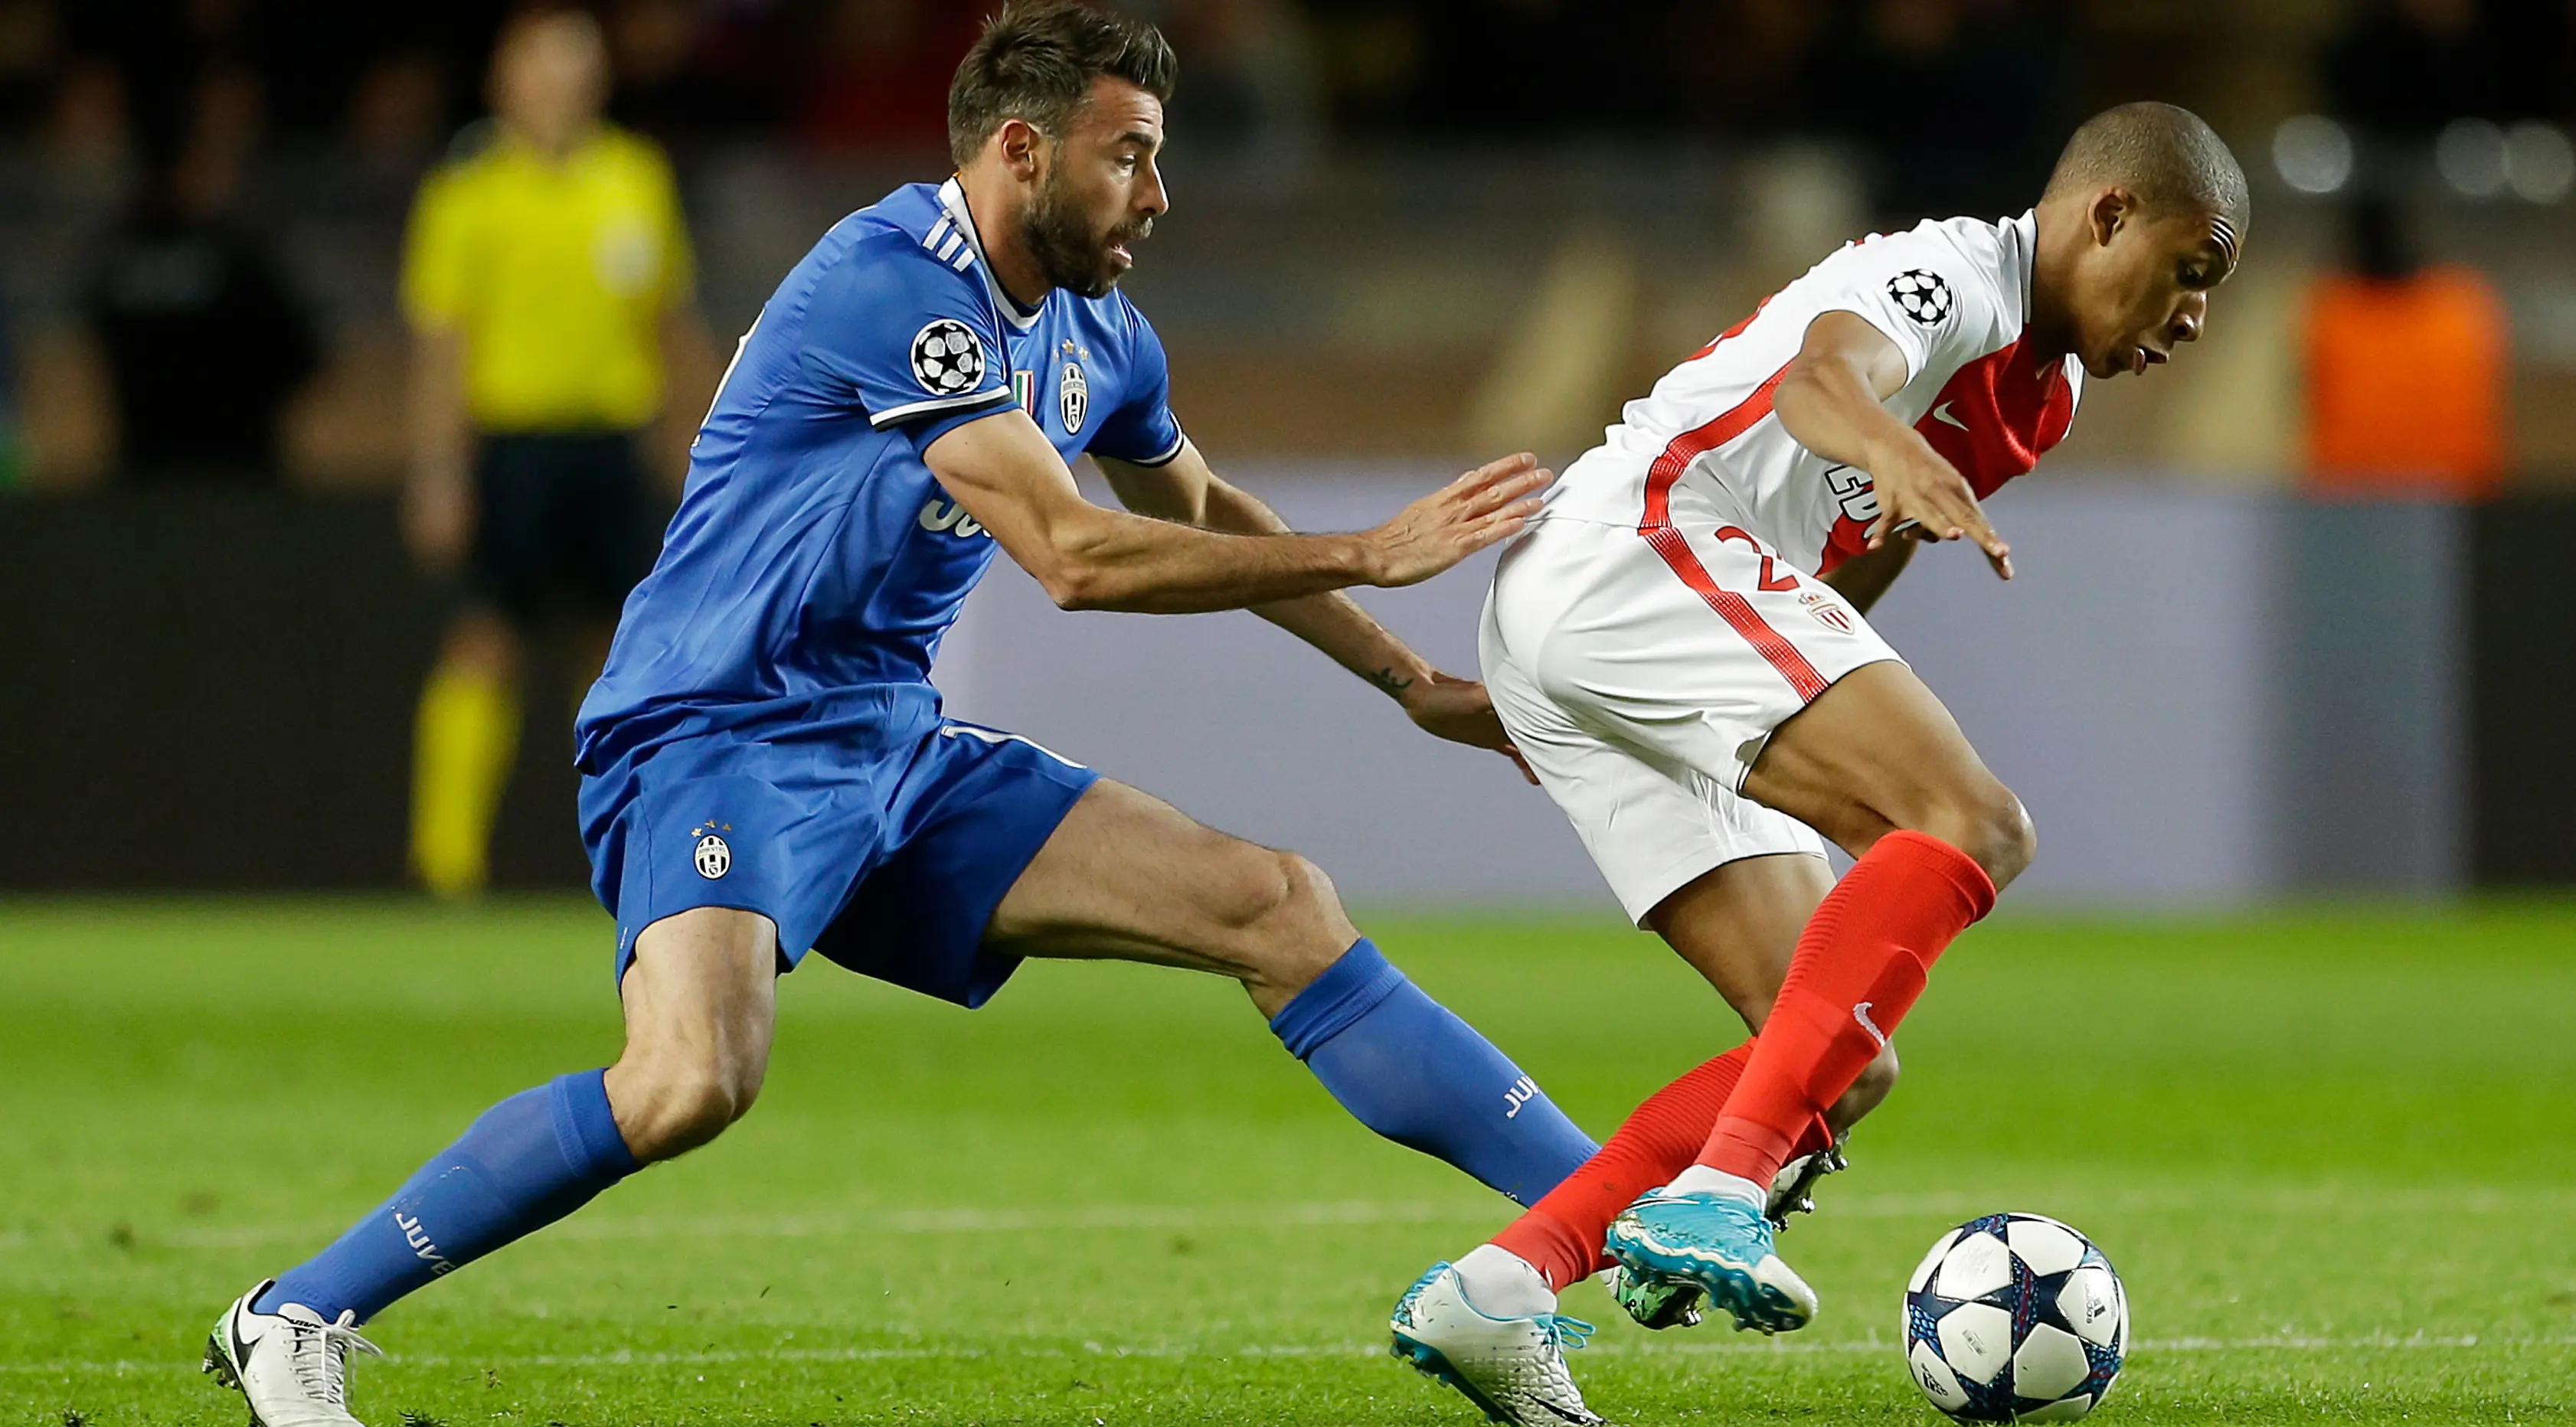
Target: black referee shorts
[566,526]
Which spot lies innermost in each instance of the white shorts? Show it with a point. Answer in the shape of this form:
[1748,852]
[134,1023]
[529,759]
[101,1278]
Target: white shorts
[1641,678]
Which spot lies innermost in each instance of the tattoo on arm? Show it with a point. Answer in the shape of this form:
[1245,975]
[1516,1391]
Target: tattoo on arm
[1388,684]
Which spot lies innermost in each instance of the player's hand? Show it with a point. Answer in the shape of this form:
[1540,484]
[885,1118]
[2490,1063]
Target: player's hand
[1922,495]
[1460,711]
[437,521]
[1490,503]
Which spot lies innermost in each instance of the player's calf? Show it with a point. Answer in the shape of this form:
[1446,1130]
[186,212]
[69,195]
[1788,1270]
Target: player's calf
[1401,1063]
[1877,1081]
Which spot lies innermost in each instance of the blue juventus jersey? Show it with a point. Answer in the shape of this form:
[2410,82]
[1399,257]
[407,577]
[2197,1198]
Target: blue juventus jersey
[814,560]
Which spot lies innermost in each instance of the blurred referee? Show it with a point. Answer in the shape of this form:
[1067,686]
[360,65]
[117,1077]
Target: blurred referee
[546,277]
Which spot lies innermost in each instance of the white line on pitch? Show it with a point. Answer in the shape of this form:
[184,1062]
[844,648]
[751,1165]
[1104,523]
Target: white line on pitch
[1167,1352]
[1945,1205]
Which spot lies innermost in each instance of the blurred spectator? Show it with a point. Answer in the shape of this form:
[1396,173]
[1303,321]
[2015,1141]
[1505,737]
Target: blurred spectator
[1743,63]
[687,68]
[204,338]
[1250,90]
[88,143]
[1962,101]
[879,71]
[13,451]
[547,277]
[2407,67]
[1510,68]
[396,114]
[2405,369]
[30,41]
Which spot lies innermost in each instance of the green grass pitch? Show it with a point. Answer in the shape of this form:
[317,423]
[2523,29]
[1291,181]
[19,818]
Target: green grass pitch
[2332,1152]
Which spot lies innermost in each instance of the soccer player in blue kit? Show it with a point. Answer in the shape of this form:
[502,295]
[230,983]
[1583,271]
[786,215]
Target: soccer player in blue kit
[767,769]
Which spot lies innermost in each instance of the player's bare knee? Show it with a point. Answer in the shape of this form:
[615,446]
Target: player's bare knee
[2010,840]
[1297,929]
[1990,825]
[668,1105]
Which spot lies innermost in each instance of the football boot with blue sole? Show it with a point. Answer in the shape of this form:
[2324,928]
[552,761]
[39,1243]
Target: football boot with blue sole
[1665,1305]
[1718,1245]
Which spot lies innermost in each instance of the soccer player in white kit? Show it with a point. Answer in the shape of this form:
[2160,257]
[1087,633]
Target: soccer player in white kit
[1679,650]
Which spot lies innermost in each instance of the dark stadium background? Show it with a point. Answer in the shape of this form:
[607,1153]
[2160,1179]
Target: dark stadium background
[2279,1017]
[1405,233]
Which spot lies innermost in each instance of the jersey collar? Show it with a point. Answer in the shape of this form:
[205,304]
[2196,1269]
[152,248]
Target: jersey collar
[2021,235]
[953,198]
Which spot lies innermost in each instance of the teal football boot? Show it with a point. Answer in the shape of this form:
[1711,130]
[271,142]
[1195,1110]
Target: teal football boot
[1718,1245]
[1667,1305]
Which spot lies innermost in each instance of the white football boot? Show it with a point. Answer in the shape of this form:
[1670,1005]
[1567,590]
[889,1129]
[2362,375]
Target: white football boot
[1512,1368]
[291,1367]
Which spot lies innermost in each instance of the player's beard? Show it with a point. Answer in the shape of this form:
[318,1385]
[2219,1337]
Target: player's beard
[1069,251]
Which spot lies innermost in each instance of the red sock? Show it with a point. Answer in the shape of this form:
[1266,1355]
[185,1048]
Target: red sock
[1859,966]
[1561,1234]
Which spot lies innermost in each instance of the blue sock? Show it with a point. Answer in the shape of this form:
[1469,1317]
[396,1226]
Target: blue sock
[529,1161]
[1408,1069]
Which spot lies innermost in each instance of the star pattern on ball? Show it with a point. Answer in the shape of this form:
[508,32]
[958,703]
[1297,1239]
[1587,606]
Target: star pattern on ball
[2015,1317]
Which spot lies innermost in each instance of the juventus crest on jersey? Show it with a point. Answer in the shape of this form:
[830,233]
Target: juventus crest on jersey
[1953,296]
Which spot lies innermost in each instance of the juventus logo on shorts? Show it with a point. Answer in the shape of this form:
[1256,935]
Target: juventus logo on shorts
[714,858]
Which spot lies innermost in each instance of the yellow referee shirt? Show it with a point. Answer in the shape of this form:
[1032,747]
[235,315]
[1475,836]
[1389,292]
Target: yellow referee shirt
[557,274]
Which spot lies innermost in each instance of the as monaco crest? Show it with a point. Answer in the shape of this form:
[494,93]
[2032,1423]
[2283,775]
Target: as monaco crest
[1827,610]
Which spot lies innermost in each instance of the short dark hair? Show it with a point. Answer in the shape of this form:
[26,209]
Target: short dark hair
[2163,154]
[1036,61]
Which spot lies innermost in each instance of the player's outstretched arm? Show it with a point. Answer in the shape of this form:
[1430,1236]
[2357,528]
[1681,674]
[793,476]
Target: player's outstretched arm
[1831,399]
[1186,489]
[1010,479]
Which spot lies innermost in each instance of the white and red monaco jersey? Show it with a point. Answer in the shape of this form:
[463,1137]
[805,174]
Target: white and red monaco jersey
[1955,299]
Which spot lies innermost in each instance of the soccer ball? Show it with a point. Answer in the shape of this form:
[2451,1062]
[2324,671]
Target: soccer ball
[2015,1318]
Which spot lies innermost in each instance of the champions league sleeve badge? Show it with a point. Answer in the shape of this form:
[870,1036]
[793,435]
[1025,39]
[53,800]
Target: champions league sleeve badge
[947,357]
[1923,296]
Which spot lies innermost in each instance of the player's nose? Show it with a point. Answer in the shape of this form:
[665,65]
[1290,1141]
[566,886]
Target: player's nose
[2191,317]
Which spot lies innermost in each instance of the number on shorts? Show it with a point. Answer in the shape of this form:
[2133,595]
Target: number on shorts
[1771,581]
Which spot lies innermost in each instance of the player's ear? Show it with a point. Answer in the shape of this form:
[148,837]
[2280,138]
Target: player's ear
[2113,209]
[1018,142]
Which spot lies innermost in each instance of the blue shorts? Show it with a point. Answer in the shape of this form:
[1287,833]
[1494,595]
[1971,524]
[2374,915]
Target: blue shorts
[886,853]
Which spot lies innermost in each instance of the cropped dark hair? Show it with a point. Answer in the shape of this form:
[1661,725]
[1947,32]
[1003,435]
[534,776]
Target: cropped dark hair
[1036,61]
[2165,155]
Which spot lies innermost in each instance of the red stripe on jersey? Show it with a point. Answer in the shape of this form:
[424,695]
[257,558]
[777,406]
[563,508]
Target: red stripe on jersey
[1735,331]
[1699,441]
[1657,528]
